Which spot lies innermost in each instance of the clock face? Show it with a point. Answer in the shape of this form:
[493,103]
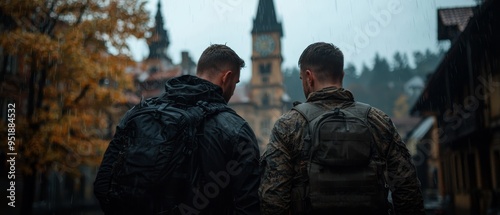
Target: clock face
[264,45]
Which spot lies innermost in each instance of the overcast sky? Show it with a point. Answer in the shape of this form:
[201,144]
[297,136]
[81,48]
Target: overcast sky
[360,28]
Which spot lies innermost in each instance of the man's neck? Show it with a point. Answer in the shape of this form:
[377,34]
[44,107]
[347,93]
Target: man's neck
[319,86]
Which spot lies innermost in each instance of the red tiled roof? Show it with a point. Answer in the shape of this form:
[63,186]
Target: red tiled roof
[456,16]
[164,75]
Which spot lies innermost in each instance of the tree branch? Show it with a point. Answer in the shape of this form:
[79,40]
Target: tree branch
[82,94]
[41,86]
[51,23]
[31,89]
[82,11]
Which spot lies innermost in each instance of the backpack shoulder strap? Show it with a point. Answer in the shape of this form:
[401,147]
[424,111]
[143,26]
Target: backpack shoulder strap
[359,109]
[198,113]
[365,109]
[309,111]
[203,109]
[362,109]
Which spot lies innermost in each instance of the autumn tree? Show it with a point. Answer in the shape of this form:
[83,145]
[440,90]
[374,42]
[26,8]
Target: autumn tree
[72,79]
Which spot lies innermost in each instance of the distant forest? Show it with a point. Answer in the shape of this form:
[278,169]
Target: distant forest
[392,86]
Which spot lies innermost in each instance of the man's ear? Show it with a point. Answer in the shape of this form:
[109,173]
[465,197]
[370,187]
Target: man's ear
[309,77]
[226,76]
[341,80]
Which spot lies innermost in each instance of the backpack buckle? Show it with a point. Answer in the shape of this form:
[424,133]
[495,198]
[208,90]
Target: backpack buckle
[338,113]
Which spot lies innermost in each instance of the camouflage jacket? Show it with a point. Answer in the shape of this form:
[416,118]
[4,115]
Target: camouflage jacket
[282,166]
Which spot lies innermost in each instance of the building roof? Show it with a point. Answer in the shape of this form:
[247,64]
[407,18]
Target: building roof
[165,75]
[265,20]
[452,21]
[480,23]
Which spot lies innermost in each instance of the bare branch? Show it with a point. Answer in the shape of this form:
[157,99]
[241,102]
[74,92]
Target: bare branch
[82,11]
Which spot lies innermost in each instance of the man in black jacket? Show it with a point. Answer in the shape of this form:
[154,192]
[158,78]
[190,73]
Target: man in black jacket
[228,146]
[227,149]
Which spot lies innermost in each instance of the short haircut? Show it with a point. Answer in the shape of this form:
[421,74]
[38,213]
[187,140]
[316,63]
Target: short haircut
[325,59]
[218,57]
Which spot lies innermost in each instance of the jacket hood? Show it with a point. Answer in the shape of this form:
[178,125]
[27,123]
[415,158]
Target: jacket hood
[188,89]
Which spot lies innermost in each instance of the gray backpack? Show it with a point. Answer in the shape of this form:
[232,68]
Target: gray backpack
[343,176]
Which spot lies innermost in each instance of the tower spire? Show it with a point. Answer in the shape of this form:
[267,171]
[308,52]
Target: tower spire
[159,41]
[265,20]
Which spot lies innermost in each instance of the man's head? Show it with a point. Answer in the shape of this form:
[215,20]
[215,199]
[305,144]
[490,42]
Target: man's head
[220,65]
[321,65]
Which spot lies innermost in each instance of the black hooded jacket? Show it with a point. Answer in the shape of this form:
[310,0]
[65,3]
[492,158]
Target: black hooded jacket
[228,156]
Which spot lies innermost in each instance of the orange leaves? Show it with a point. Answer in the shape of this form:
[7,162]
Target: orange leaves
[19,41]
[19,9]
[66,44]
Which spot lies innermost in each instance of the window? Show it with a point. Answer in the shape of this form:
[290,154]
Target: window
[466,174]
[446,164]
[460,172]
[473,159]
[265,69]
[265,99]
[454,172]
[495,167]
[265,72]
[494,97]
[265,126]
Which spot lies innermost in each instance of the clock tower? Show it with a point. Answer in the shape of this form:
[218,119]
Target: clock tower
[266,90]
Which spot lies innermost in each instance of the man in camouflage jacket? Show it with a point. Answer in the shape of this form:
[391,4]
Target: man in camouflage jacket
[282,165]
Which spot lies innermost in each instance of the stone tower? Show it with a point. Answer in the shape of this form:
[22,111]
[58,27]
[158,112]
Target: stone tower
[266,90]
[159,41]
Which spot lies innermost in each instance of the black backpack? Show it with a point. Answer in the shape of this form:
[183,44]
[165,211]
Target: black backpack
[154,163]
[342,175]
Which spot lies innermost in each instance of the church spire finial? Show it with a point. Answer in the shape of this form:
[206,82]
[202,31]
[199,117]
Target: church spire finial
[158,42]
[159,16]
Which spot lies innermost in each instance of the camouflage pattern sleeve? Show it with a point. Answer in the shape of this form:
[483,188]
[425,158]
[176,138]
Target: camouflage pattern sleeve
[278,164]
[402,177]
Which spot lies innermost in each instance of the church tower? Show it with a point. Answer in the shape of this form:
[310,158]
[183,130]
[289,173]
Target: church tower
[266,86]
[158,66]
[159,42]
